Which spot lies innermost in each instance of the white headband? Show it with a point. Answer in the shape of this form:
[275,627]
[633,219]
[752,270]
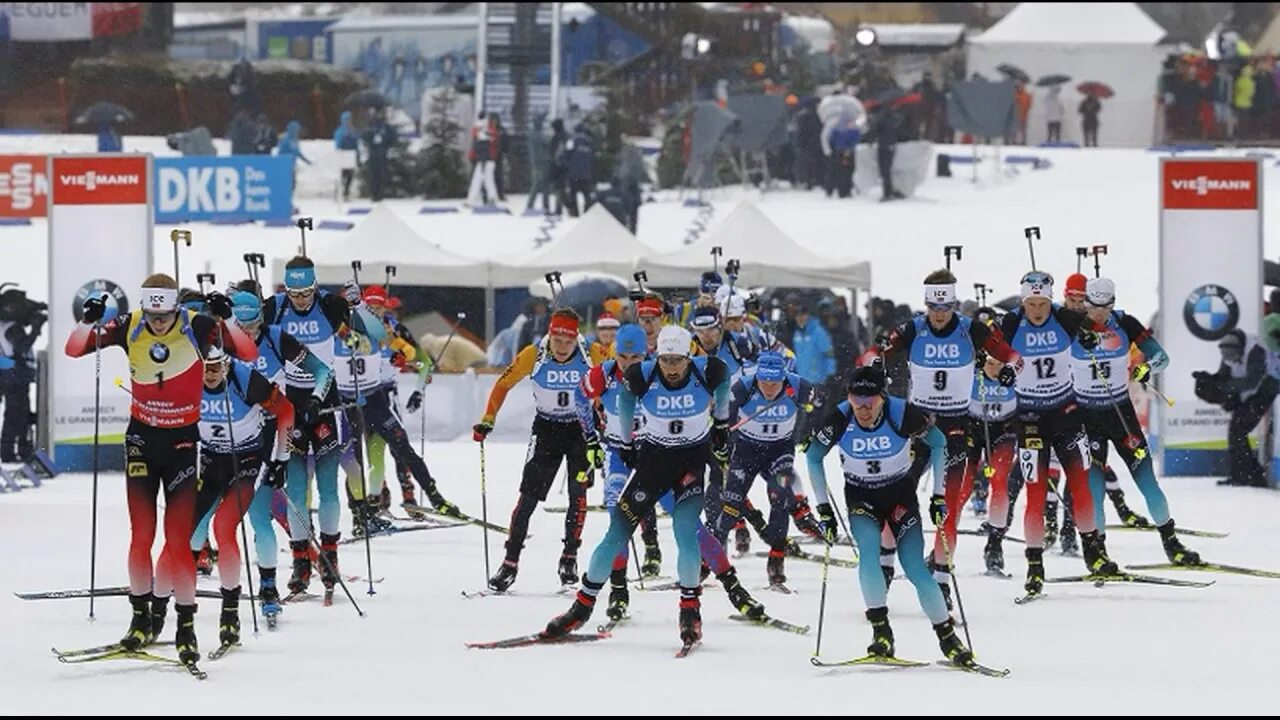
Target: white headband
[1037,289]
[939,294]
[159,300]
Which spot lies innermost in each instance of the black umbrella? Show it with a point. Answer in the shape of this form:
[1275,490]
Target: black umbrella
[1013,71]
[104,112]
[1054,79]
[366,98]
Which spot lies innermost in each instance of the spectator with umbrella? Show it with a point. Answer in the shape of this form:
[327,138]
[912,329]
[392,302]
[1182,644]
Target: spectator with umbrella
[1090,108]
[105,116]
[242,85]
[1054,109]
[1022,103]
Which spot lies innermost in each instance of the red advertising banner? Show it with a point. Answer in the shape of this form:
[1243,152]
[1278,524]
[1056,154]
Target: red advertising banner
[24,187]
[112,19]
[101,180]
[1209,185]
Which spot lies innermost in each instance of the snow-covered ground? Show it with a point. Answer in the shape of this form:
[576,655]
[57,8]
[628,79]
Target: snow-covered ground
[1127,649]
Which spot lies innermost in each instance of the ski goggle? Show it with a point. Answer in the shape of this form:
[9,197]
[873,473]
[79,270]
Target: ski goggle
[301,292]
[863,401]
[1037,284]
[939,307]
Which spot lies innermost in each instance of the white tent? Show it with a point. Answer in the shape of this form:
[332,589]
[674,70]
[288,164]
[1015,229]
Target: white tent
[768,255]
[383,239]
[598,242]
[1114,43]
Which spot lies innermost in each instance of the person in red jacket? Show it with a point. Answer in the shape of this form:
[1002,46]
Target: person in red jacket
[165,345]
[484,159]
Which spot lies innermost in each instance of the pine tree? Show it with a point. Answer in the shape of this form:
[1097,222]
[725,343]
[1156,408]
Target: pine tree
[444,170]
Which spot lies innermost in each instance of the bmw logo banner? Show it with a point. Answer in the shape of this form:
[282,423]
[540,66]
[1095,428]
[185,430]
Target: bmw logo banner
[1210,284]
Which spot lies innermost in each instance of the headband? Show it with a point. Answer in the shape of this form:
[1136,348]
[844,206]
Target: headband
[300,278]
[562,326]
[159,300]
[649,307]
[939,294]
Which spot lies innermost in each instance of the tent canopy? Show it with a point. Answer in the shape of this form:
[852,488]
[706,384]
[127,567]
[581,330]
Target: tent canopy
[381,239]
[598,243]
[1114,43]
[768,255]
[1076,23]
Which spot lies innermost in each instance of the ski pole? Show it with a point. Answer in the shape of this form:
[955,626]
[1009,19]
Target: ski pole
[552,279]
[1081,254]
[951,570]
[1032,232]
[1160,395]
[391,272]
[635,555]
[1097,266]
[987,470]
[484,514]
[311,536]
[950,251]
[822,602]
[177,236]
[97,413]
[304,224]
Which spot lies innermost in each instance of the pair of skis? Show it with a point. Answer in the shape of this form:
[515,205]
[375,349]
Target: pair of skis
[115,651]
[1121,577]
[899,663]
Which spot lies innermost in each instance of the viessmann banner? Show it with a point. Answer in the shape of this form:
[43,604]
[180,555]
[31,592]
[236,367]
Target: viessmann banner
[249,187]
[1210,284]
[24,186]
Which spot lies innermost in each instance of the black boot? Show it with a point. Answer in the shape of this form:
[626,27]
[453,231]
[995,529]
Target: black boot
[738,595]
[159,610]
[886,554]
[506,575]
[652,566]
[1050,523]
[741,540]
[229,620]
[139,633]
[568,568]
[268,595]
[952,648]
[578,614]
[1126,514]
[438,502]
[365,514]
[1035,571]
[881,634]
[941,576]
[805,521]
[1177,553]
[774,567]
[1067,540]
[1095,555]
[185,638]
[329,559]
[301,577]
[993,553]
[619,595]
[690,615]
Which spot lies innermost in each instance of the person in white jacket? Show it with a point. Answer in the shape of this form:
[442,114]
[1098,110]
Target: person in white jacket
[1054,111]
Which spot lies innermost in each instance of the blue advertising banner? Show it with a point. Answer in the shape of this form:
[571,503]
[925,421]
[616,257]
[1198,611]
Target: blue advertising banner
[246,187]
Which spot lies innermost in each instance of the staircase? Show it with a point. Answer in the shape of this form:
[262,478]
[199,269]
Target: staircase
[660,76]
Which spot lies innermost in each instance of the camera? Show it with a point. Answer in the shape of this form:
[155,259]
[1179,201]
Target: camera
[16,307]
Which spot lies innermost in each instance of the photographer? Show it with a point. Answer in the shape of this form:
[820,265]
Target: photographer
[21,321]
[1244,388]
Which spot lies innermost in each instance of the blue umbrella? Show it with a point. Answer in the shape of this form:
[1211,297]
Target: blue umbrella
[583,291]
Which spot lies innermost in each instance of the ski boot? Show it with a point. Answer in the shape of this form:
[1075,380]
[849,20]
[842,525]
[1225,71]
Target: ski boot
[301,577]
[993,553]
[409,504]
[943,578]
[568,568]
[505,576]
[1067,538]
[159,610]
[139,633]
[185,638]
[881,634]
[652,566]
[1035,571]
[619,595]
[773,566]
[690,615]
[1177,553]
[204,560]
[329,560]
[1127,515]
[738,595]
[741,540]
[1050,523]
[952,648]
[229,620]
[364,514]
[1095,555]
[805,522]
[383,503]
[578,614]
[439,503]
[268,595]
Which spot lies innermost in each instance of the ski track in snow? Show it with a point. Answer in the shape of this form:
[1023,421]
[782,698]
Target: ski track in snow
[1125,648]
